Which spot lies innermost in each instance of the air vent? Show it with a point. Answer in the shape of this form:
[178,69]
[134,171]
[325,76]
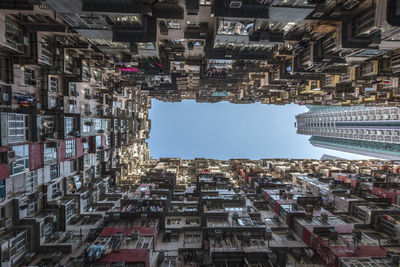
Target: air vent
[318,14]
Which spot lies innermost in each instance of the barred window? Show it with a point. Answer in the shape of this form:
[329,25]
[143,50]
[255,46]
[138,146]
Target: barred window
[69,148]
[31,180]
[97,124]
[73,166]
[69,123]
[54,171]
[55,189]
[50,153]
[21,163]
[17,127]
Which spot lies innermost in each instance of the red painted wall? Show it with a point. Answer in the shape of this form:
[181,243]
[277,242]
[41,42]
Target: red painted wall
[383,193]
[4,168]
[61,151]
[79,147]
[36,151]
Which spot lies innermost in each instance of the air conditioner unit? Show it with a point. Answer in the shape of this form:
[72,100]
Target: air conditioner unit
[235,4]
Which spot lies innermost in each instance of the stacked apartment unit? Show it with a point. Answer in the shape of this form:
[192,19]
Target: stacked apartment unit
[372,131]
[270,212]
[271,51]
[69,129]
[78,187]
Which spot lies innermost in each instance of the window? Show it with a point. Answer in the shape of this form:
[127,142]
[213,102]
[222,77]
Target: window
[50,153]
[69,124]
[31,180]
[17,127]
[70,148]
[97,171]
[106,124]
[55,190]
[87,126]
[97,124]
[32,208]
[73,166]
[72,89]
[192,238]
[29,75]
[22,159]
[14,34]
[86,160]
[97,77]
[85,73]
[108,140]
[53,102]
[47,55]
[2,195]
[87,109]
[86,175]
[72,106]
[98,141]
[146,46]
[54,171]
[53,84]
[85,147]
[125,20]
[69,61]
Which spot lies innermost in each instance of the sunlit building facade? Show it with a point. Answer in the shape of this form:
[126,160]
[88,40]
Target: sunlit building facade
[371,131]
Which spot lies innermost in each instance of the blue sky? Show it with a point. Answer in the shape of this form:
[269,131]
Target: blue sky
[223,130]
